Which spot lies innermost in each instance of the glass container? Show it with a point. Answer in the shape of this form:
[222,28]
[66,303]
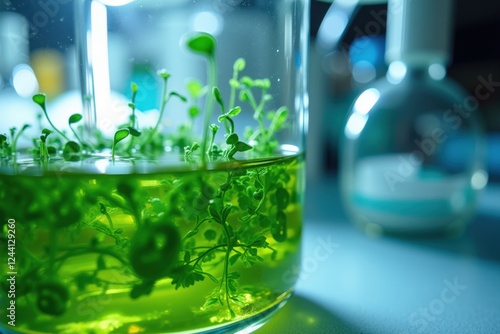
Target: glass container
[166,194]
[413,150]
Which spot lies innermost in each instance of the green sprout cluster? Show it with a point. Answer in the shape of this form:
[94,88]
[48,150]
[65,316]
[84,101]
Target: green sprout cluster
[150,142]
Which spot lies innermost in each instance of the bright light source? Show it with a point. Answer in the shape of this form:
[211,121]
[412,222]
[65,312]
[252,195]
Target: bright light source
[366,101]
[479,179]
[207,22]
[100,60]
[24,80]
[355,125]
[357,121]
[116,2]
[289,149]
[396,72]
[102,165]
[437,71]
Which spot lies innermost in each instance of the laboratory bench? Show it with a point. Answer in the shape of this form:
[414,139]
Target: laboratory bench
[352,283]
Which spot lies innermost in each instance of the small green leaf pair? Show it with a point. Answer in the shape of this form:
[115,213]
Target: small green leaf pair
[121,135]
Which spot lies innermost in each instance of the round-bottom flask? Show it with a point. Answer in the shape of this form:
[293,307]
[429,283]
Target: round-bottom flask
[412,156]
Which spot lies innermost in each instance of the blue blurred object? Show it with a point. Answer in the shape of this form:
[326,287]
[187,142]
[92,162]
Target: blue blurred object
[368,48]
[453,156]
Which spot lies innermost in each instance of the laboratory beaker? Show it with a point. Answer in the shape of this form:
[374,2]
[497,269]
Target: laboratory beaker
[169,198]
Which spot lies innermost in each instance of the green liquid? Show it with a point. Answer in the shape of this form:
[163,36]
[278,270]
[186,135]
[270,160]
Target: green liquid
[90,260]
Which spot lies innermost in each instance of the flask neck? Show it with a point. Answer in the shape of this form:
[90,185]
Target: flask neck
[419,31]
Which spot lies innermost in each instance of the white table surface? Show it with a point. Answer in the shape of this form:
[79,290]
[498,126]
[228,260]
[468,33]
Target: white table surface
[351,283]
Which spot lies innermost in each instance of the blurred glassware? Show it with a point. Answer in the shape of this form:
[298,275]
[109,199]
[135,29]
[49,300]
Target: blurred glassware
[398,138]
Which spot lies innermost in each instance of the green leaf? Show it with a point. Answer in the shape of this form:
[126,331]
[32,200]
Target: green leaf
[244,96]
[71,151]
[232,285]
[46,132]
[242,147]
[187,257]
[232,139]
[234,275]
[234,83]
[194,146]
[75,118]
[247,81]
[240,300]
[262,83]
[234,258]
[212,277]
[234,112]
[282,117]
[202,43]
[134,132]
[239,65]
[181,97]
[258,195]
[134,87]
[185,276]
[260,242]
[101,227]
[191,233]
[218,97]
[214,128]
[3,139]
[51,150]
[40,99]
[71,147]
[225,212]
[120,135]
[193,111]
[213,212]
[195,88]
[211,301]
[102,208]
